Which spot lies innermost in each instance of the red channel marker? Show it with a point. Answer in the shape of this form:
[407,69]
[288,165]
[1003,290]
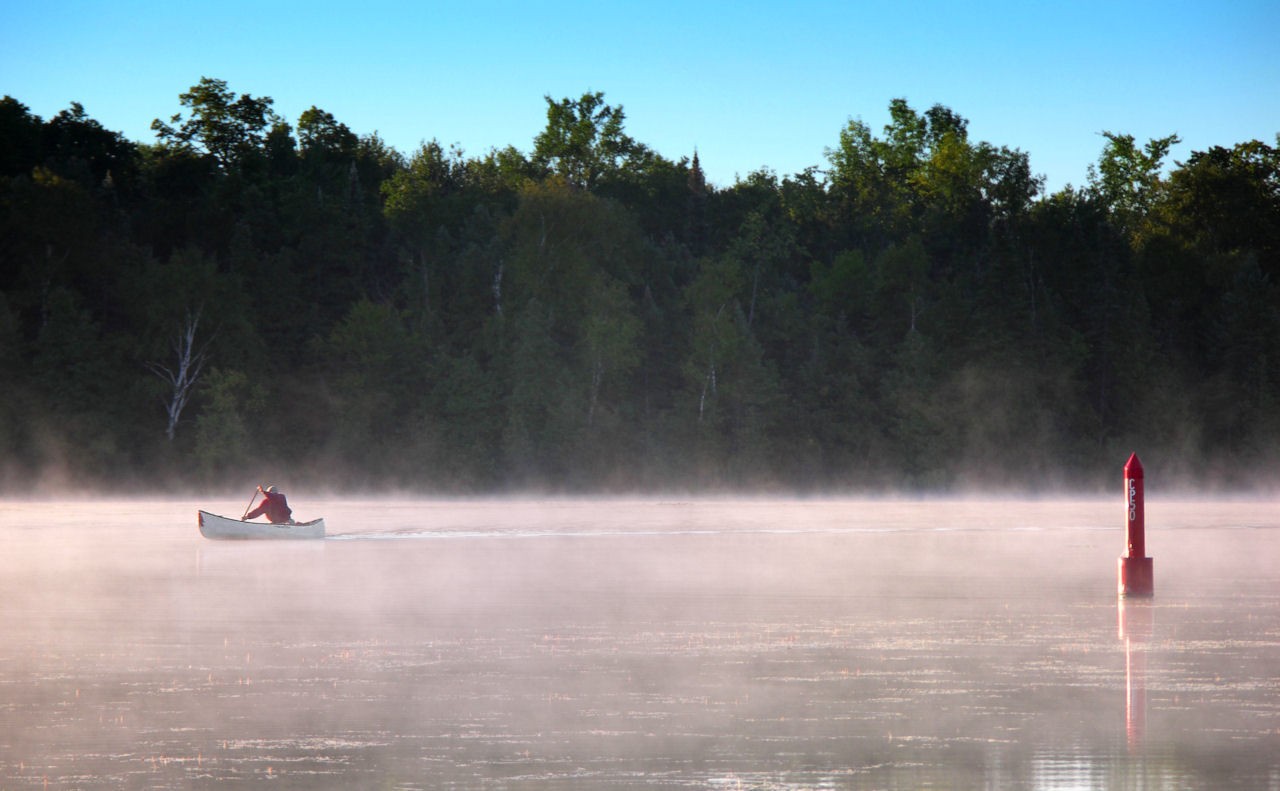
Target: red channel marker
[1137,575]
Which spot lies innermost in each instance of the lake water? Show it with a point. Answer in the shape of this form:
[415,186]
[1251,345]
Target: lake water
[640,644]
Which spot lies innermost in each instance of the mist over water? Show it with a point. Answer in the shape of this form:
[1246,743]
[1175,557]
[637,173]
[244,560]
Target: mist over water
[637,644]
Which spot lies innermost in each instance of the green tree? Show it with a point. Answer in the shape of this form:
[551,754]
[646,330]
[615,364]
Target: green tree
[539,411]
[902,287]
[52,230]
[916,422]
[80,148]
[322,136]
[418,200]
[838,434]
[1127,177]
[584,141]
[20,133]
[581,260]
[733,386]
[862,188]
[17,405]
[609,338]
[375,372]
[228,128]
[875,180]
[926,176]
[1226,201]
[842,289]
[556,241]
[223,442]
[441,210]
[467,419]
[77,370]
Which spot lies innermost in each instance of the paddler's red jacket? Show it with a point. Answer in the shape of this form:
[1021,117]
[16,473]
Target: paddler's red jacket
[274,506]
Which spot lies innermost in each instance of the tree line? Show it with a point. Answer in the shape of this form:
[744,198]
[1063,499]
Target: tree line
[247,298]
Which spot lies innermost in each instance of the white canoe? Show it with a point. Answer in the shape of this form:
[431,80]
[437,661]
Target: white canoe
[219,527]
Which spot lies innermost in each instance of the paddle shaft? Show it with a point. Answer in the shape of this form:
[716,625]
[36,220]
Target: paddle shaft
[250,505]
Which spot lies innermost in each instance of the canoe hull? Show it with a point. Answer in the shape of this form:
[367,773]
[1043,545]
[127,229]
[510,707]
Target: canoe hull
[220,528]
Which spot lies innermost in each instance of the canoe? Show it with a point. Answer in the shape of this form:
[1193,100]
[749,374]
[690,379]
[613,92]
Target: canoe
[224,527]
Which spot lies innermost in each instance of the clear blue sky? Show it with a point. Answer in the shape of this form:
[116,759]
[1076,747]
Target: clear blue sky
[748,84]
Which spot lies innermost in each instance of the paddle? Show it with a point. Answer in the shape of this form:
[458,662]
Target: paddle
[250,505]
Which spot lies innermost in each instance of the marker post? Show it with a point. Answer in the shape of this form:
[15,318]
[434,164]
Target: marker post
[1137,573]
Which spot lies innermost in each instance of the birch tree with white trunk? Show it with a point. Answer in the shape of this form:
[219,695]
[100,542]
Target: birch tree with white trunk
[182,377]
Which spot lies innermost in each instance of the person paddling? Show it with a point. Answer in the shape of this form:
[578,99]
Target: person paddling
[274,506]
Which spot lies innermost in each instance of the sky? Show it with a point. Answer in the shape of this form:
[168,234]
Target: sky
[747,85]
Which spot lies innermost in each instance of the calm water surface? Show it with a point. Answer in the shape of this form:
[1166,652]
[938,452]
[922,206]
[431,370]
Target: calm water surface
[638,644]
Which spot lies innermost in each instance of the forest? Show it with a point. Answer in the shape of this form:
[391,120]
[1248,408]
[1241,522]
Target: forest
[247,299]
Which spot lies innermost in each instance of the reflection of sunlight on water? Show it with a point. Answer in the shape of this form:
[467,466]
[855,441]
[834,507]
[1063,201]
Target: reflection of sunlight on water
[1070,772]
[1086,770]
